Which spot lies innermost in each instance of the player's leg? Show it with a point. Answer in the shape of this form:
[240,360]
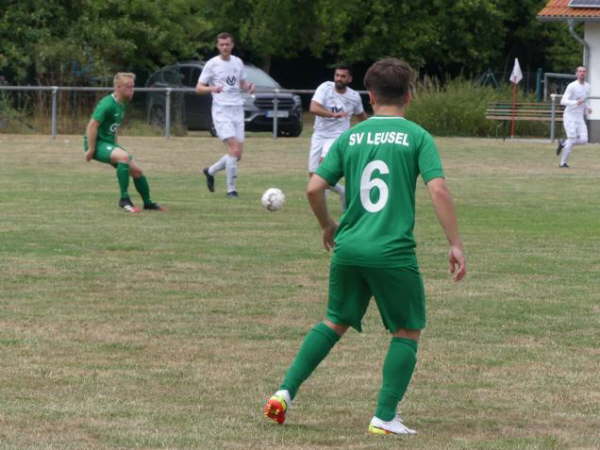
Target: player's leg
[322,146]
[338,188]
[582,133]
[142,186]
[314,155]
[220,123]
[348,300]
[315,347]
[401,301]
[226,122]
[119,158]
[235,148]
[570,127]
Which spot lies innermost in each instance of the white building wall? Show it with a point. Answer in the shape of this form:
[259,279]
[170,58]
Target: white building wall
[592,37]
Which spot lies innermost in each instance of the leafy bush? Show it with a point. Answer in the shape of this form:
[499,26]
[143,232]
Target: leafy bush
[458,109]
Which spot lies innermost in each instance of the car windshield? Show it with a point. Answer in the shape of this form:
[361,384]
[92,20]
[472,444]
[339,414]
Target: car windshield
[260,78]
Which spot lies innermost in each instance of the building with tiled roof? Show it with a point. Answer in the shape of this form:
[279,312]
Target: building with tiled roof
[587,12]
[560,11]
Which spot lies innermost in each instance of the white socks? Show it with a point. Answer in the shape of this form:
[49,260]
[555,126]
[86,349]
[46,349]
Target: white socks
[231,171]
[229,164]
[218,166]
[286,396]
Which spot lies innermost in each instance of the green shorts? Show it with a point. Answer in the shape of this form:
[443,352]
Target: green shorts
[398,291]
[103,150]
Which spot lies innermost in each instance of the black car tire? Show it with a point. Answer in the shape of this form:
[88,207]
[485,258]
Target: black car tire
[294,131]
[212,130]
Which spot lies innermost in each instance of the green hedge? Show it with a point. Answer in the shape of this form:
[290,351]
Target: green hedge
[458,109]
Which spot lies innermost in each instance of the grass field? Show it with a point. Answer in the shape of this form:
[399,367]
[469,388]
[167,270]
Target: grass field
[169,330]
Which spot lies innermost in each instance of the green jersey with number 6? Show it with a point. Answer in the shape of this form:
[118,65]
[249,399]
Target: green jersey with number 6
[110,113]
[381,159]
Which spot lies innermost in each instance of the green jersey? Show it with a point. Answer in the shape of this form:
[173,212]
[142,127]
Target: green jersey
[110,113]
[381,159]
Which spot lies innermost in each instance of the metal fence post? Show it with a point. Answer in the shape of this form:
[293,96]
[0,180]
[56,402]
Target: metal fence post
[275,113]
[53,126]
[552,121]
[168,113]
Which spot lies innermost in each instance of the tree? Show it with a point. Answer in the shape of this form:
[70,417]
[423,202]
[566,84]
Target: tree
[265,28]
[58,41]
[439,35]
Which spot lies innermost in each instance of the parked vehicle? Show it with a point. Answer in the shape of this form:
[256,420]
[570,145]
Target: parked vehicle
[193,111]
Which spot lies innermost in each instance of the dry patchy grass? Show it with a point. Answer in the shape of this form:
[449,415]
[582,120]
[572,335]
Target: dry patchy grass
[168,330]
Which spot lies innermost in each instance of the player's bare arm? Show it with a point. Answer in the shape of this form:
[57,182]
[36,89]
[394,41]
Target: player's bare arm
[247,86]
[362,116]
[316,198]
[319,110]
[202,88]
[444,210]
[92,134]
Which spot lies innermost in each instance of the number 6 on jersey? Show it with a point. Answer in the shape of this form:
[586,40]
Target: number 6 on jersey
[367,184]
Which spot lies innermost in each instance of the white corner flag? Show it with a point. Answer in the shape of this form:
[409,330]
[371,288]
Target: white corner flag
[516,74]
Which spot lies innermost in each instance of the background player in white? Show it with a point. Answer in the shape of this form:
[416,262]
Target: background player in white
[333,104]
[576,109]
[224,76]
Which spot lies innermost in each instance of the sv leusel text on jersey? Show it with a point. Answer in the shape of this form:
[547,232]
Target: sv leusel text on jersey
[383,137]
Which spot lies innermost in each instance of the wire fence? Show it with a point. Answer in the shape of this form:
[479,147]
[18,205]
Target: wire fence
[154,111]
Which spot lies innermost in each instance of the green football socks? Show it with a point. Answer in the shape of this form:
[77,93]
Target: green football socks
[398,368]
[317,344]
[123,179]
[141,185]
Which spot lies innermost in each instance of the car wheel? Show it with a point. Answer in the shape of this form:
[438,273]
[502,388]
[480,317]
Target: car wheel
[212,129]
[294,131]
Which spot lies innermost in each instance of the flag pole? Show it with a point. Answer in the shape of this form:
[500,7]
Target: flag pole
[515,77]
[514,106]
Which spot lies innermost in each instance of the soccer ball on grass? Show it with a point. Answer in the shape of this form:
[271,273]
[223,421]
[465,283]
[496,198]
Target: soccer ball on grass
[273,199]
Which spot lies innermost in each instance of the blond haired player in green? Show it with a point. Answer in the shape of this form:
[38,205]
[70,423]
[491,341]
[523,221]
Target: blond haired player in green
[100,142]
[373,245]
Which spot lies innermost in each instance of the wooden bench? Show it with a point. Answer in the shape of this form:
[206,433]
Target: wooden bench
[505,112]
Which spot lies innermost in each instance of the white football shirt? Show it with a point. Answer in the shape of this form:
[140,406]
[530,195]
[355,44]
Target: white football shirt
[227,73]
[349,102]
[575,90]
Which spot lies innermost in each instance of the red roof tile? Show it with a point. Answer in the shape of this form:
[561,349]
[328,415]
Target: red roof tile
[560,10]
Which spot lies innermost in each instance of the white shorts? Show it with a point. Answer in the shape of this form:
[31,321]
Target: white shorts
[228,121]
[575,128]
[319,147]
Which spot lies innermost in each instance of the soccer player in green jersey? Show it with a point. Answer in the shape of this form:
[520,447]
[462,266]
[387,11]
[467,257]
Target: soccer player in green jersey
[100,142]
[373,245]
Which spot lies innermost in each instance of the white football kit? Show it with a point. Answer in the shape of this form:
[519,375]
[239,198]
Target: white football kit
[227,111]
[574,117]
[327,129]
[227,105]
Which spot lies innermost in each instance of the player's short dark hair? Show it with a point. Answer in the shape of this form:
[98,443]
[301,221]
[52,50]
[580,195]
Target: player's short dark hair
[343,67]
[390,79]
[225,35]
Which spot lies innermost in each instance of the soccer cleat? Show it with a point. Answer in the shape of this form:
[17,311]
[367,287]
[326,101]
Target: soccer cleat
[126,204]
[394,426]
[232,194]
[275,409]
[210,180]
[564,166]
[561,144]
[154,207]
